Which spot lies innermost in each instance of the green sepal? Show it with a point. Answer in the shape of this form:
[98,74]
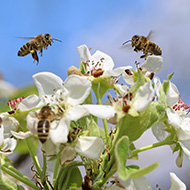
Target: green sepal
[82,67]
[170,76]
[100,86]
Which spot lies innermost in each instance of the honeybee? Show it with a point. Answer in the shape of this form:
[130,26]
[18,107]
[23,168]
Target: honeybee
[143,43]
[37,43]
[45,116]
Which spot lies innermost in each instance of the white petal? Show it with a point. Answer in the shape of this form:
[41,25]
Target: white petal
[185,145]
[59,131]
[157,85]
[9,146]
[47,83]
[49,148]
[176,183]
[29,103]
[1,134]
[136,184]
[79,88]
[172,95]
[84,52]
[123,89]
[21,135]
[107,63]
[143,97]
[153,64]
[159,132]
[10,124]
[67,154]
[91,147]
[101,111]
[76,112]
[128,78]
[173,118]
[32,122]
[117,71]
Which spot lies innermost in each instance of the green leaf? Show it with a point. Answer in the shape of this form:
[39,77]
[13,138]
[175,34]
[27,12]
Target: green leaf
[121,153]
[135,172]
[75,179]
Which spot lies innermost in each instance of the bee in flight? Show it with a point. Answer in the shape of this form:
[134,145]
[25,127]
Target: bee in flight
[37,43]
[143,43]
[45,117]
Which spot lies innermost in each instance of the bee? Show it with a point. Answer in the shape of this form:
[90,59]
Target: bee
[143,43]
[45,117]
[37,43]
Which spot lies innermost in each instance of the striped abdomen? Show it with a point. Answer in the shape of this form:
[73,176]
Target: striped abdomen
[43,130]
[28,48]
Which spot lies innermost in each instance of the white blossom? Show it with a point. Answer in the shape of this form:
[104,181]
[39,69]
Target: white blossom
[7,142]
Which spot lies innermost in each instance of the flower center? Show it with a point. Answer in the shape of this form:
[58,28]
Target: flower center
[94,68]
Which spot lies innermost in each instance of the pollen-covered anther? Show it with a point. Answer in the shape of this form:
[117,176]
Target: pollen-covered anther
[73,71]
[128,72]
[97,72]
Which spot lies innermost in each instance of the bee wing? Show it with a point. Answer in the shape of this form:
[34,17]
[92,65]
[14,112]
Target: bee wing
[151,35]
[26,38]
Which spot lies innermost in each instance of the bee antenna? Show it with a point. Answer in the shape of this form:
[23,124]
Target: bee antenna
[56,39]
[126,42]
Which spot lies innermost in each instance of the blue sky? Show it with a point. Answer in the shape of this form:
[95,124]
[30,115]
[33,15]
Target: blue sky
[101,25]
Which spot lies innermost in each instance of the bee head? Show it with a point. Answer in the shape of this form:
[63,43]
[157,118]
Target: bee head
[48,38]
[134,40]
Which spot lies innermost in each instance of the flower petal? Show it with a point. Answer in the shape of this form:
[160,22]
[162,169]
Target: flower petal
[79,88]
[9,146]
[172,95]
[153,64]
[185,145]
[159,131]
[9,124]
[128,78]
[67,154]
[176,183]
[21,135]
[59,131]
[157,85]
[117,71]
[107,62]
[84,52]
[101,111]
[29,103]
[143,97]
[136,183]
[32,122]
[76,112]
[49,148]
[91,147]
[173,118]
[47,83]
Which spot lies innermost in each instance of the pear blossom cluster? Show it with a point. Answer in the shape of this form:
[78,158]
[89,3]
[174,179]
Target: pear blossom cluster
[74,133]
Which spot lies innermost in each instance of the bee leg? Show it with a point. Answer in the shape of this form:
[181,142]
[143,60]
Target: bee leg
[136,50]
[144,56]
[41,50]
[35,57]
